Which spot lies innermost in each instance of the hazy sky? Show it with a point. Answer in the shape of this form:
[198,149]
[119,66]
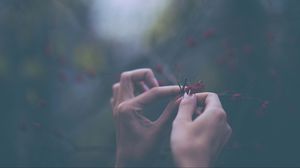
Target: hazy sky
[125,20]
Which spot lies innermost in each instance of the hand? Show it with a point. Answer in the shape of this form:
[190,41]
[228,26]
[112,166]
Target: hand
[196,143]
[138,138]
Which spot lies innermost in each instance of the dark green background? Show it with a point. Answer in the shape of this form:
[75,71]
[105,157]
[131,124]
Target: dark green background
[56,78]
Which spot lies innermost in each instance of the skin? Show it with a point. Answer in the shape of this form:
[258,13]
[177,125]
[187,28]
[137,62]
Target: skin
[138,138]
[197,143]
[194,143]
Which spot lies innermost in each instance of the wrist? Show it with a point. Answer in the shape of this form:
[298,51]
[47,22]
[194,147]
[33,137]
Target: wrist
[193,161]
[192,157]
[128,159]
[123,160]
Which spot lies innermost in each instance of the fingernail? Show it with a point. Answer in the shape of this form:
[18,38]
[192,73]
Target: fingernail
[178,100]
[185,95]
[156,82]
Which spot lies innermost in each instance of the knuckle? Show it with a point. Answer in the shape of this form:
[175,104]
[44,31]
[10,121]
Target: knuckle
[176,123]
[185,102]
[125,75]
[179,124]
[220,114]
[148,70]
[155,90]
[211,94]
[115,86]
[122,107]
[229,129]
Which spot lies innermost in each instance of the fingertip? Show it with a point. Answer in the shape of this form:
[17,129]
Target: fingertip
[185,95]
[155,82]
[188,98]
[111,102]
[187,108]
[209,99]
[178,99]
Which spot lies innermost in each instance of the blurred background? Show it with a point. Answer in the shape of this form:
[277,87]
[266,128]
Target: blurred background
[59,59]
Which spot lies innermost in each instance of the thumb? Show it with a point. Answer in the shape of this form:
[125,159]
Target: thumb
[187,108]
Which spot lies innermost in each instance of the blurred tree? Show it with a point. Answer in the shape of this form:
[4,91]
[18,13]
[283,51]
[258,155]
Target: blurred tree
[246,51]
[46,47]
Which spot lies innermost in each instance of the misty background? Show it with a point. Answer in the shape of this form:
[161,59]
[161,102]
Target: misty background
[59,59]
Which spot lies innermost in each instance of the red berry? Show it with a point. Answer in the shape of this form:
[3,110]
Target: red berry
[209,33]
[159,68]
[191,42]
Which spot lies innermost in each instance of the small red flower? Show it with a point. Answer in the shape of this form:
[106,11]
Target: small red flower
[236,96]
[209,33]
[261,112]
[159,68]
[191,88]
[247,49]
[265,104]
[195,87]
[191,42]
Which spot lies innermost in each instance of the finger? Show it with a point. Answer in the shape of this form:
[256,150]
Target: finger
[187,108]
[209,99]
[155,94]
[212,106]
[228,134]
[167,113]
[130,77]
[199,110]
[140,87]
[146,75]
[112,102]
[143,86]
[116,96]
